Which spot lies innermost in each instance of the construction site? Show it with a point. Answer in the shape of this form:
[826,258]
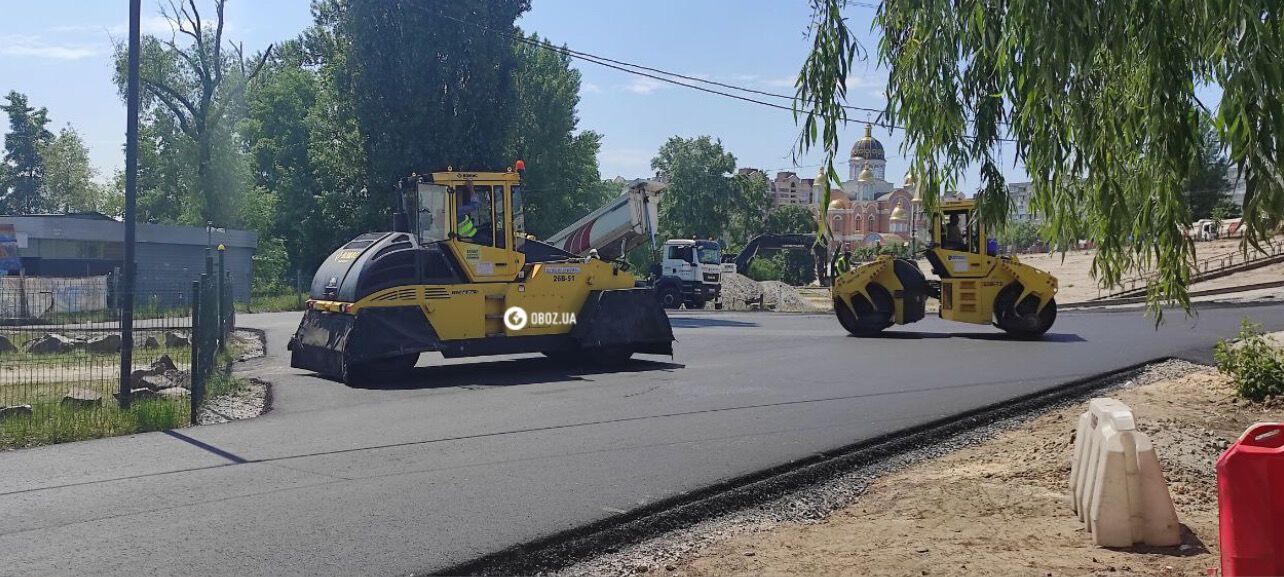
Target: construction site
[417,288]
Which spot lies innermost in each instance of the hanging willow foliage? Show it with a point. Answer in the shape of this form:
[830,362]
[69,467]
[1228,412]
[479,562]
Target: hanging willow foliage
[1100,99]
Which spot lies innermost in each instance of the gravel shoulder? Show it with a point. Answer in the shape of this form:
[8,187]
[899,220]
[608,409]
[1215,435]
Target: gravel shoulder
[990,502]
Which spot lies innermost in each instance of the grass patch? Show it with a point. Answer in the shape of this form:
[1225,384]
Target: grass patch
[273,303]
[52,423]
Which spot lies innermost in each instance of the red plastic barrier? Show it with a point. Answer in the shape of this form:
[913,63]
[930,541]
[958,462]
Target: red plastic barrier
[1250,500]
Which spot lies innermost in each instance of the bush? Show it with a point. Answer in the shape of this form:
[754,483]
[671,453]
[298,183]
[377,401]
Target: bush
[1252,362]
[765,269]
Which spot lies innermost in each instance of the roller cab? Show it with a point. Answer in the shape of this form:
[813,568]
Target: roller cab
[459,276]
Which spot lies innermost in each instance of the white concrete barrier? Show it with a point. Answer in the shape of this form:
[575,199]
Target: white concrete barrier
[1117,486]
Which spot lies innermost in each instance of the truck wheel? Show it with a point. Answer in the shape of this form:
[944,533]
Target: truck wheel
[1023,320]
[670,296]
[869,317]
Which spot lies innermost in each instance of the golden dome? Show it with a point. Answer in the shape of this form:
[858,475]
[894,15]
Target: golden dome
[865,174]
[898,213]
[839,202]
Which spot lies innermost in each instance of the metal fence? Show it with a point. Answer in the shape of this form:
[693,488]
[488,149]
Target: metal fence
[61,358]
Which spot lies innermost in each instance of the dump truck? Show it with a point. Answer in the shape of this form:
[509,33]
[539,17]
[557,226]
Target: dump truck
[976,285]
[457,275]
[690,270]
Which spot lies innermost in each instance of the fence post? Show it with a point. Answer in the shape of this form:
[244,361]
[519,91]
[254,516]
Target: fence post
[195,369]
[222,285]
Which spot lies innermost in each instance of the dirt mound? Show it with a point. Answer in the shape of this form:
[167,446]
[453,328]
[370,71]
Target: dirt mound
[782,297]
[739,291]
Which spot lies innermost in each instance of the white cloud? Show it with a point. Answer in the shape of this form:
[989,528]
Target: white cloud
[643,85]
[155,25]
[590,88]
[626,162]
[785,82]
[35,47]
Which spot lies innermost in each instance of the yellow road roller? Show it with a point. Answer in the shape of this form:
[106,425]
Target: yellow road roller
[459,275]
[975,285]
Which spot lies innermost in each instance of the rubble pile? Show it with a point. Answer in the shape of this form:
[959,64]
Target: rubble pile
[740,292]
[781,297]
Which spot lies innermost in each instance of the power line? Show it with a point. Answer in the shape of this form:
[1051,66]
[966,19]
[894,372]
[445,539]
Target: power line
[662,75]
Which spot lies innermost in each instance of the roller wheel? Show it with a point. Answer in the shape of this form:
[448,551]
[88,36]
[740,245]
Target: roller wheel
[1023,320]
[670,296]
[870,317]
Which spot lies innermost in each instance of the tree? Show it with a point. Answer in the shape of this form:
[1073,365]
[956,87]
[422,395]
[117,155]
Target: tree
[69,184]
[701,197]
[1022,234]
[561,165]
[24,168]
[1098,99]
[431,85]
[790,219]
[752,203]
[1207,186]
[201,86]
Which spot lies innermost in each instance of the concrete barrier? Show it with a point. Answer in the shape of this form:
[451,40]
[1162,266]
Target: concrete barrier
[1117,486]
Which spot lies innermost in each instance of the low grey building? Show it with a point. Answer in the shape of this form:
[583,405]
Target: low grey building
[169,257]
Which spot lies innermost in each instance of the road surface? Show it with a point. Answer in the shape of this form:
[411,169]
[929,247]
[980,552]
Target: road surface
[473,456]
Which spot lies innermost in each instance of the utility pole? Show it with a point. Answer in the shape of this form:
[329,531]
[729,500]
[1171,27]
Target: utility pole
[131,205]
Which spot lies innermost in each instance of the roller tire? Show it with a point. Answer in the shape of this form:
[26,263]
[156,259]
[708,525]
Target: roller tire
[868,318]
[1023,320]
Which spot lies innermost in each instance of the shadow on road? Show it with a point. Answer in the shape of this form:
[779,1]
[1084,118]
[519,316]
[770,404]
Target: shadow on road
[706,321]
[511,372]
[915,335]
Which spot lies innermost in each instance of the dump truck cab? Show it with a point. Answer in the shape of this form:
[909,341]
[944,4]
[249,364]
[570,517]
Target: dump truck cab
[976,285]
[458,275]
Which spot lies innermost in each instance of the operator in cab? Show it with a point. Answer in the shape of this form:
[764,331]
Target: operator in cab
[954,235]
[466,206]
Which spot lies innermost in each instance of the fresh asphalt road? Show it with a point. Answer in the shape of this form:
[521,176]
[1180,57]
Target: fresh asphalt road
[473,456]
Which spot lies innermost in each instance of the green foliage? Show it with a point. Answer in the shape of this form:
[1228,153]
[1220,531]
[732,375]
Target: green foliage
[1255,365]
[562,180]
[428,92]
[789,219]
[196,80]
[1018,234]
[748,213]
[272,303]
[1101,105]
[69,184]
[765,269]
[701,197]
[24,168]
[1206,188]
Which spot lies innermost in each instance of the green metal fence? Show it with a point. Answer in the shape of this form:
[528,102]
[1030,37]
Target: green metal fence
[213,320]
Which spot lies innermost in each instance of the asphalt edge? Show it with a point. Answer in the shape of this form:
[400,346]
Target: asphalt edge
[566,548]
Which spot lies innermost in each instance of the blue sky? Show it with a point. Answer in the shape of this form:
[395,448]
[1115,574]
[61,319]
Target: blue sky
[58,52]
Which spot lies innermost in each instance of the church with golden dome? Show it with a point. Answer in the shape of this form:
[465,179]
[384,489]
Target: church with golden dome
[866,209]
